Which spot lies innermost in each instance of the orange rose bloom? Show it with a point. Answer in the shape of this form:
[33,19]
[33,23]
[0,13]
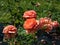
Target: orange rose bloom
[10,30]
[31,25]
[45,24]
[29,14]
[44,21]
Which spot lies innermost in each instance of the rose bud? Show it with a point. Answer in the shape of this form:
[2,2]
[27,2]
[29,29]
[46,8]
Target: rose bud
[29,14]
[55,24]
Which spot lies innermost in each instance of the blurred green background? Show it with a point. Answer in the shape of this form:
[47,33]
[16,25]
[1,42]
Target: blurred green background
[11,12]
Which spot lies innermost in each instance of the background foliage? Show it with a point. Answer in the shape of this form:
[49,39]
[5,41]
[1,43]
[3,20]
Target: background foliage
[11,12]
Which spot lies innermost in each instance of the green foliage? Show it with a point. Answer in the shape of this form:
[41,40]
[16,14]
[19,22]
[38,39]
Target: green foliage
[11,11]
[25,39]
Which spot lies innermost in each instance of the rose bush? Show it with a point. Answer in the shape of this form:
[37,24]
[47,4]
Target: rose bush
[31,24]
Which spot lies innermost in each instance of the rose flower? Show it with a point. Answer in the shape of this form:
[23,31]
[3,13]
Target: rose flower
[29,14]
[10,31]
[45,24]
[31,25]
